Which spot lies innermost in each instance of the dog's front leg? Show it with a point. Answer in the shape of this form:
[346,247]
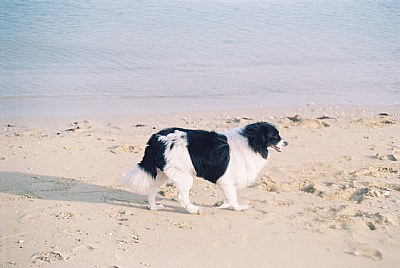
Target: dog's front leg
[230,198]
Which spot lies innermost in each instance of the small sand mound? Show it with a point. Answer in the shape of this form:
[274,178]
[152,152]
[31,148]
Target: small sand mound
[377,121]
[311,123]
[169,191]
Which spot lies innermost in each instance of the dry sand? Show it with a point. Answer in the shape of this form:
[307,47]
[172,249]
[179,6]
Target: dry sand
[331,199]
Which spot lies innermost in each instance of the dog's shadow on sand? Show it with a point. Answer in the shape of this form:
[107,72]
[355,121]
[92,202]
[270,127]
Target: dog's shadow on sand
[71,190]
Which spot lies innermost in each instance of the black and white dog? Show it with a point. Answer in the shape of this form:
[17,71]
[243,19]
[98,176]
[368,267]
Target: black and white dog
[229,159]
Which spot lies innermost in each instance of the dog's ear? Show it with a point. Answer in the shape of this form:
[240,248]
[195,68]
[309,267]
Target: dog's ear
[257,138]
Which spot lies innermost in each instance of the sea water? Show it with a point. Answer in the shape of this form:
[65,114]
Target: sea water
[143,56]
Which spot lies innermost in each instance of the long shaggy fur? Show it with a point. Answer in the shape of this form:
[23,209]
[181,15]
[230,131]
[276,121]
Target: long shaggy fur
[229,159]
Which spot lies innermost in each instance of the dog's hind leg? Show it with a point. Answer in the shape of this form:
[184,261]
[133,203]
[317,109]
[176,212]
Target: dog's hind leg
[183,198]
[230,198]
[159,181]
[183,182]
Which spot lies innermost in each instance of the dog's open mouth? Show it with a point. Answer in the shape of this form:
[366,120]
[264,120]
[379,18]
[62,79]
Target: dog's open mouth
[276,148]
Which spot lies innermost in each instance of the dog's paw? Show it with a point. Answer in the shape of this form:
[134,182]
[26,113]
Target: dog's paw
[156,207]
[223,205]
[240,207]
[194,209]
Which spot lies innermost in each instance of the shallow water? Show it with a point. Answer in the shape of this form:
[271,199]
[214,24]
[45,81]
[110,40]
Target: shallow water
[262,52]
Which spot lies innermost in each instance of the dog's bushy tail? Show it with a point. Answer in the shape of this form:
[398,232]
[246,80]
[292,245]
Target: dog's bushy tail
[143,176]
[138,180]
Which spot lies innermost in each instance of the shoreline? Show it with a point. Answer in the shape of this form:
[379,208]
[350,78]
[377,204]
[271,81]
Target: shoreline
[331,198]
[108,106]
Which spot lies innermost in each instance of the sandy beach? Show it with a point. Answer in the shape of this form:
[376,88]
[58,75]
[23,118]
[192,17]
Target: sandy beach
[330,199]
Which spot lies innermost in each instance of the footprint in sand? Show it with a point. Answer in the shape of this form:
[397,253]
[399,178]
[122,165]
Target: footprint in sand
[374,254]
[389,157]
[123,148]
[66,215]
[49,257]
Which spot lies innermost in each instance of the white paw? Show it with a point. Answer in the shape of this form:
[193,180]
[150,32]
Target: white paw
[240,207]
[194,209]
[224,205]
[156,207]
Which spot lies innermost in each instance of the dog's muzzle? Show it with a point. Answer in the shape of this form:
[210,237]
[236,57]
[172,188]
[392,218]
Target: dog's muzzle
[278,147]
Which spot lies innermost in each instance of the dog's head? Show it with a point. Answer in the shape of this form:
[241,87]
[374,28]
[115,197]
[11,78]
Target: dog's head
[263,136]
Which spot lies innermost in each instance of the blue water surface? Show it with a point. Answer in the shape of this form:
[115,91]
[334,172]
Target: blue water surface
[275,52]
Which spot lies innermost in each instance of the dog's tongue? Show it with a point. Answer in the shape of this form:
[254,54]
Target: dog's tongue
[276,148]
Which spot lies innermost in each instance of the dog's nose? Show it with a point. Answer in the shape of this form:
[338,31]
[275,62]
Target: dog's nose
[285,143]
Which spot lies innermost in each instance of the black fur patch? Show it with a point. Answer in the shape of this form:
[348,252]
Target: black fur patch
[154,154]
[260,136]
[209,152]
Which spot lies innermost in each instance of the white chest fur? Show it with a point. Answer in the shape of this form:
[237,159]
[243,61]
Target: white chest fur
[245,164]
